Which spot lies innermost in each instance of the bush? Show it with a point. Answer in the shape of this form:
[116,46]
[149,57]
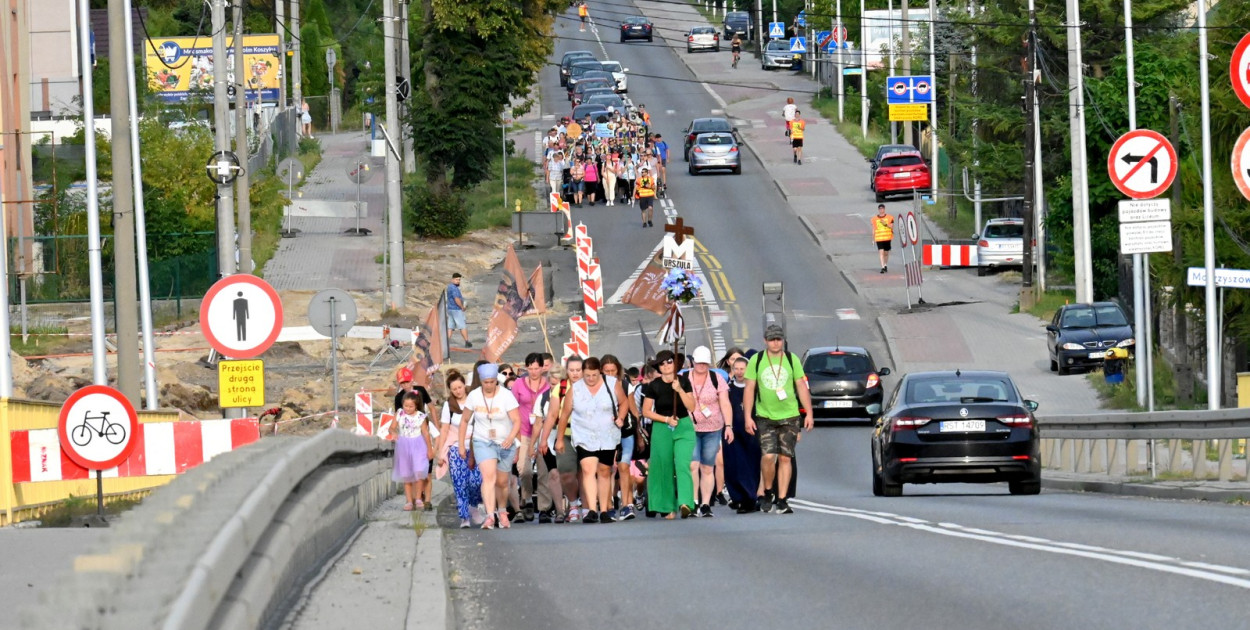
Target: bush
[308,146]
[433,214]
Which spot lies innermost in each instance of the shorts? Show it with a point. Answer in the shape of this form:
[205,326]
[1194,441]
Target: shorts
[707,446]
[455,319]
[566,462]
[778,437]
[796,143]
[578,185]
[626,450]
[645,203]
[484,450]
[606,458]
[664,161]
[884,245]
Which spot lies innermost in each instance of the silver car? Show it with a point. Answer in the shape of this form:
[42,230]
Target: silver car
[1000,244]
[703,38]
[715,150]
[777,55]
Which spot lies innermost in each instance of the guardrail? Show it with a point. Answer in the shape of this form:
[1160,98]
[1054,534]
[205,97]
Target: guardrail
[228,543]
[1111,442]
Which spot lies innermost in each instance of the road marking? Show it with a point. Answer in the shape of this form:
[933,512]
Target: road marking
[670,112]
[549,116]
[1209,572]
[719,112]
[846,313]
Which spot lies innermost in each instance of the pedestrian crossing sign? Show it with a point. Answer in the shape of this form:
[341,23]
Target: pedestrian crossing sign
[776,30]
[798,44]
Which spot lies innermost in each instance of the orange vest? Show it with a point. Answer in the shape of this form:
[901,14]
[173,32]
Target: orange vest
[646,187]
[883,228]
[582,11]
[796,129]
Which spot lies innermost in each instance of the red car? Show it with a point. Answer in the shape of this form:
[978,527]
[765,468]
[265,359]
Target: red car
[901,172]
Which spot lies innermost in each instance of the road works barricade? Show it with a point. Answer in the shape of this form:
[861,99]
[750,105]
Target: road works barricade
[960,253]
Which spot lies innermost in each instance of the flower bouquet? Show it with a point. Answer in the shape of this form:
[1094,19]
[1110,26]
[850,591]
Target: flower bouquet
[681,285]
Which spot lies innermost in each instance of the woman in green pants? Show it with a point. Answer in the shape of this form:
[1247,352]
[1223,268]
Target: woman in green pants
[665,402]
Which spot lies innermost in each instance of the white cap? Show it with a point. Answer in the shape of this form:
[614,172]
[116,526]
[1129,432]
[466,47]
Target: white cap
[702,355]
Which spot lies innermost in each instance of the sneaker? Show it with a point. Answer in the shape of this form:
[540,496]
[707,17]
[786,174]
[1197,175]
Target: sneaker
[721,499]
[783,507]
[464,523]
[747,507]
[607,517]
[734,505]
[544,517]
[468,344]
[528,514]
[686,511]
[766,502]
[627,513]
[883,270]
[800,161]
[504,521]
[489,523]
[573,517]
[591,517]
[705,511]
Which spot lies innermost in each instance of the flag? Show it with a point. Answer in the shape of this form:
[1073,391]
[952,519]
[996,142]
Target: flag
[647,291]
[674,326]
[427,347]
[648,351]
[511,302]
[538,292]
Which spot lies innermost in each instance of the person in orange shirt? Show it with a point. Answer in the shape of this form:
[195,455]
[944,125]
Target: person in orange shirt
[883,234]
[797,127]
[582,12]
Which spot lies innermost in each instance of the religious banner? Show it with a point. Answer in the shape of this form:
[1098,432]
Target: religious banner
[537,292]
[427,347]
[647,291]
[511,302]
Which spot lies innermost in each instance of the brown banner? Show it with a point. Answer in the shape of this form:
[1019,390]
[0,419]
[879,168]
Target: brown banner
[512,300]
[647,291]
[538,292]
[428,349]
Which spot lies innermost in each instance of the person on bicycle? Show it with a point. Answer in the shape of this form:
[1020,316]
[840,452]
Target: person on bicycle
[736,47]
[661,150]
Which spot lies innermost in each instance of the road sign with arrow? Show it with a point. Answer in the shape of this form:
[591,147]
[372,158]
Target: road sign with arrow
[1142,164]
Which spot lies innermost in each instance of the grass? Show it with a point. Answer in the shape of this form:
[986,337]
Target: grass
[64,514]
[1048,303]
[1124,395]
[41,340]
[485,203]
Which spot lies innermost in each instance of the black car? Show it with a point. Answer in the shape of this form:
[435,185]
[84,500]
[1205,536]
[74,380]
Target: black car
[883,151]
[637,27]
[1079,335]
[575,96]
[966,427]
[845,382]
[569,59]
[737,23]
[579,70]
[704,125]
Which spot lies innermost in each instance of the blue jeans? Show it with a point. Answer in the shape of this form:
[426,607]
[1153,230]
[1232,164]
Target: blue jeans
[627,450]
[484,450]
[708,446]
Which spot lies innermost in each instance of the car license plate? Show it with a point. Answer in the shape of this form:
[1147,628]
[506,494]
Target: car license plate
[902,175]
[837,404]
[1097,355]
[961,426]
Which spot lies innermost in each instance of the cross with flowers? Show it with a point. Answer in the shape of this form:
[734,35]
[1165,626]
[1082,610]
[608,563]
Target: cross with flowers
[679,230]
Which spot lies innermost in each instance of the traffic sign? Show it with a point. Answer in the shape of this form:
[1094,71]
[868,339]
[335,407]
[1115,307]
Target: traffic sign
[913,231]
[1142,164]
[798,44]
[801,18]
[839,35]
[916,111]
[1146,237]
[241,383]
[1241,163]
[97,427]
[776,30]
[332,312]
[241,316]
[1239,69]
[909,89]
[1229,278]
[823,39]
[1137,210]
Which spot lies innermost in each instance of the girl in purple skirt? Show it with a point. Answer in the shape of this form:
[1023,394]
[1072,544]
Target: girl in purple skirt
[412,448]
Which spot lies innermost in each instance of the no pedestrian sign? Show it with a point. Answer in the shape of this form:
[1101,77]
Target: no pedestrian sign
[241,383]
[1142,164]
[241,316]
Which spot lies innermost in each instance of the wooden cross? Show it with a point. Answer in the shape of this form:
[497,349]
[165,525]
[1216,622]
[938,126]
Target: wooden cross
[680,230]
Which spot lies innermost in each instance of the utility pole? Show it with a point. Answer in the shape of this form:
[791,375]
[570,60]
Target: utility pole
[395,230]
[1215,353]
[125,296]
[976,124]
[221,116]
[1030,90]
[936,167]
[1080,160]
[405,59]
[243,186]
[297,90]
[95,266]
[906,52]
[1039,204]
[837,34]
[893,52]
[863,75]
[759,27]
[1139,311]
[280,24]
[6,356]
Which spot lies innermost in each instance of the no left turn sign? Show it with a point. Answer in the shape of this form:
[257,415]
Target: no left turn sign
[1241,163]
[1142,164]
[1239,70]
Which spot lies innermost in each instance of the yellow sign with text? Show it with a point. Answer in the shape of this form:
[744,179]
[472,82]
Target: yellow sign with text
[182,68]
[241,383]
[911,111]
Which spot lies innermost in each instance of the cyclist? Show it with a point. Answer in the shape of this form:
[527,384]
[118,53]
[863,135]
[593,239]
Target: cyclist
[661,149]
[736,47]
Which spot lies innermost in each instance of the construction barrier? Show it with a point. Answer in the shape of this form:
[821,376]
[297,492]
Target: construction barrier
[364,413]
[948,255]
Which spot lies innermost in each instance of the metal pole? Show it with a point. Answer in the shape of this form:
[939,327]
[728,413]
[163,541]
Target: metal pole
[976,123]
[1150,354]
[405,54]
[221,114]
[6,357]
[933,109]
[1215,356]
[1039,205]
[893,53]
[151,400]
[503,150]
[863,75]
[1139,314]
[297,90]
[243,186]
[837,34]
[1030,90]
[1080,159]
[280,22]
[759,27]
[125,295]
[395,230]
[99,367]
[906,45]
[334,353]
[774,10]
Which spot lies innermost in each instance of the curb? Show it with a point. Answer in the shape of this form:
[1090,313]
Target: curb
[807,225]
[1149,491]
[429,597]
[889,341]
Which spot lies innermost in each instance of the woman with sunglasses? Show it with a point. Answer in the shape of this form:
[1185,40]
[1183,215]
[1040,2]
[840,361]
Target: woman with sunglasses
[492,412]
[665,402]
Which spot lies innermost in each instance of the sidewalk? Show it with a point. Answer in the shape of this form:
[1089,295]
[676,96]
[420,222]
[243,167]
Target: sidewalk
[967,321]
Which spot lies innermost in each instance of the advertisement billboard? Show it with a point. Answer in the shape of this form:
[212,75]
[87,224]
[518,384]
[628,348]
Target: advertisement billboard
[181,68]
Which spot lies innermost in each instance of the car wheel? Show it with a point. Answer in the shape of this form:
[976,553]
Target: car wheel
[685,155]
[690,169]
[982,270]
[717,49]
[880,197]
[1030,486]
[1054,365]
[877,490]
[737,170]
[1063,369]
[651,39]
[890,489]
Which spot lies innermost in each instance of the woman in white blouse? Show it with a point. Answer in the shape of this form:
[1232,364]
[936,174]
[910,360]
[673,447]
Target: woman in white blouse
[595,410]
[491,410]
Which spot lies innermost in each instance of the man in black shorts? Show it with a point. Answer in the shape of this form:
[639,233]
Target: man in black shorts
[883,234]
[645,192]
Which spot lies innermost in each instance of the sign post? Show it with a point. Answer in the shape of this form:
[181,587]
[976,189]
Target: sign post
[96,430]
[332,312]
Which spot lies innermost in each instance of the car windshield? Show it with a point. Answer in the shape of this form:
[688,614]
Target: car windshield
[611,66]
[1004,230]
[574,57]
[606,100]
[959,389]
[590,84]
[1089,317]
[893,148]
[636,20]
[778,45]
[702,30]
[902,160]
[716,138]
[713,124]
[837,364]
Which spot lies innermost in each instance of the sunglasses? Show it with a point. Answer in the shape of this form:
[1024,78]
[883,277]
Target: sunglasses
[506,373]
[666,361]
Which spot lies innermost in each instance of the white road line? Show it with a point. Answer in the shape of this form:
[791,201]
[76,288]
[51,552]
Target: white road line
[1208,572]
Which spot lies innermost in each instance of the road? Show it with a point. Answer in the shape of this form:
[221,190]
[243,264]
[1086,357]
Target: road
[955,556]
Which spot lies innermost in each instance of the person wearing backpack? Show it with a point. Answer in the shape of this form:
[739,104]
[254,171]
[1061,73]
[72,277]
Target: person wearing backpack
[710,413]
[776,387]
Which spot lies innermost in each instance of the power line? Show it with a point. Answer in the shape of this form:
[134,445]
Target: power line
[198,29]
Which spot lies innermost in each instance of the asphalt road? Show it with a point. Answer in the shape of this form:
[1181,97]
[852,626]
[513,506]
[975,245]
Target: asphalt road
[954,556]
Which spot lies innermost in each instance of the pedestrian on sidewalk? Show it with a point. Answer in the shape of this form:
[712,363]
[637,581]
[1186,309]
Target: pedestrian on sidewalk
[492,412]
[666,400]
[797,127]
[413,445]
[788,113]
[466,478]
[305,119]
[455,309]
[883,234]
[645,192]
[776,387]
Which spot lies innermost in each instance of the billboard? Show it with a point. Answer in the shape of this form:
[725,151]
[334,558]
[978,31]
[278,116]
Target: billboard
[181,68]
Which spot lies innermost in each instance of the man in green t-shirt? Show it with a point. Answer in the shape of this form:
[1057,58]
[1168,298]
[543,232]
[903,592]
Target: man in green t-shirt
[776,387]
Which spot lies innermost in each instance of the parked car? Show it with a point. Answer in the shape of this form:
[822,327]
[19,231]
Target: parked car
[953,426]
[578,70]
[882,151]
[702,38]
[567,61]
[901,173]
[716,150]
[845,382]
[1079,335]
[738,23]
[1000,244]
[618,73]
[637,27]
[777,55]
[704,125]
[589,84]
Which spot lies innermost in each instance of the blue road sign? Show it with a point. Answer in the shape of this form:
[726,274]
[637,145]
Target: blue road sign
[776,30]
[832,46]
[798,44]
[823,38]
[801,18]
[909,89]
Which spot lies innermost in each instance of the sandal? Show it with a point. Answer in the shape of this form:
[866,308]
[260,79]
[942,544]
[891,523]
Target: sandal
[419,505]
[489,523]
[408,507]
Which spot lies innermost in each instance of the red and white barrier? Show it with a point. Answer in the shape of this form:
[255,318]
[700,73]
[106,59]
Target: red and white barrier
[161,448]
[950,255]
[364,413]
[592,292]
[385,422]
[579,330]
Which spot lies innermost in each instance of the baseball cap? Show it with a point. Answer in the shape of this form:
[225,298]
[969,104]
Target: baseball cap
[774,332]
[405,375]
[702,355]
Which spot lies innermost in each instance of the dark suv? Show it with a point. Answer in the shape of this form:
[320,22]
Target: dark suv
[1079,335]
[737,23]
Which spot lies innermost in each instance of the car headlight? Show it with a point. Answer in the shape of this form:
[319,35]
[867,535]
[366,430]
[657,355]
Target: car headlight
[1073,346]
[1126,343]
